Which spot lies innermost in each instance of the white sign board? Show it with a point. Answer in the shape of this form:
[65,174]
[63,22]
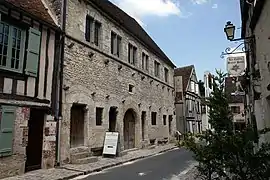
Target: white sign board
[110,143]
[236,65]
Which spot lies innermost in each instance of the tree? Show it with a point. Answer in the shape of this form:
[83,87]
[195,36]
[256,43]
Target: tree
[223,152]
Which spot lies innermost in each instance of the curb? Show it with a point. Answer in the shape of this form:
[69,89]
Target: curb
[114,164]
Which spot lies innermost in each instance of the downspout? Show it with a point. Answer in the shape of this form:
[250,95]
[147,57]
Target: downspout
[60,84]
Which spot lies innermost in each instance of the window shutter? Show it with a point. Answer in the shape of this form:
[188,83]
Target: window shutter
[6,130]
[33,52]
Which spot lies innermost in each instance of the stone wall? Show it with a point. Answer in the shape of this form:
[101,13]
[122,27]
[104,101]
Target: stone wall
[97,83]
[262,31]
[14,165]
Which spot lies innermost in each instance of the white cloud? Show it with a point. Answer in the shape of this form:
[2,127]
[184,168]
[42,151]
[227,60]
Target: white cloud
[199,1]
[215,6]
[141,8]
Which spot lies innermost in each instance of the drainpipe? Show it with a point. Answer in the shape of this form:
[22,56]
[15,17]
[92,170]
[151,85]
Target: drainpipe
[60,84]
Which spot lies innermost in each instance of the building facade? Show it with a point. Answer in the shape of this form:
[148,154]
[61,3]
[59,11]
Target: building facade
[208,85]
[187,100]
[236,102]
[28,36]
[255,23]
[115,78]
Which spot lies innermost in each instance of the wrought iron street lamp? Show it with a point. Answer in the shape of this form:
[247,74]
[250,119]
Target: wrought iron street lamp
[229,30]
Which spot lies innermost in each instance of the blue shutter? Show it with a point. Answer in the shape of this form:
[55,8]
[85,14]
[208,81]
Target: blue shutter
[6,130]
[34,39]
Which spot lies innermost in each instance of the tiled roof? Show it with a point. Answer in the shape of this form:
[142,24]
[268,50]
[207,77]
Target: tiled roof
[185,73]
[230,87]
[132,26]
[33,7]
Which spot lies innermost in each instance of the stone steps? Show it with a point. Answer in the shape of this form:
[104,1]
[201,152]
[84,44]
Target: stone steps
[79,155]
[86,160]
[125,152]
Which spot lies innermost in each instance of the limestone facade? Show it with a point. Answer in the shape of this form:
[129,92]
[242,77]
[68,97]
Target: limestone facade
[95,78]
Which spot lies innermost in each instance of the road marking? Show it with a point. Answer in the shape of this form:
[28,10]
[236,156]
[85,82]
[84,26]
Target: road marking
[143,173]
[81,177]
[182,173]
[128,163]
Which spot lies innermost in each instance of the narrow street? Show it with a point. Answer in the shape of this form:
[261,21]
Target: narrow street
[167,166]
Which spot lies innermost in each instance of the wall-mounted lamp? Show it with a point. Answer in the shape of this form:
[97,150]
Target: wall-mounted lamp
[229,30]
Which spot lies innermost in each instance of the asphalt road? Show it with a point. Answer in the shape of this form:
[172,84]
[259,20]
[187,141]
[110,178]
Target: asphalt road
[166,166]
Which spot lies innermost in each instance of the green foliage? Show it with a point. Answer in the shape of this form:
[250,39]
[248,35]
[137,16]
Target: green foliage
[223,153]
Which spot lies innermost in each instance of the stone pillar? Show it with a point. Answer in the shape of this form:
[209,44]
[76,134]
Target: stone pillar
[49,142]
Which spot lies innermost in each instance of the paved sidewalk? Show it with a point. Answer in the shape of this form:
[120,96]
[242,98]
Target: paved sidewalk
[71,170]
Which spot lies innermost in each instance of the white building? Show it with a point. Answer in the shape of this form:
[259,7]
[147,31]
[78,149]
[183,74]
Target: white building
[208,84]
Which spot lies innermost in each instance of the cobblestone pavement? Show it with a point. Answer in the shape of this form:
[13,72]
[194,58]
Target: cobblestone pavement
[71,170]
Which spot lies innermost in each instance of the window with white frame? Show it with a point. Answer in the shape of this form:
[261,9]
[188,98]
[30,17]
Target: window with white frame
[12,41]
[192,86]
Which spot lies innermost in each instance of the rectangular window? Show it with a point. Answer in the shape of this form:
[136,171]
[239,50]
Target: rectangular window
[164,119]
[166,74]
[198,107]
[154,118]
[197,88]
[132,54]
[99,114]
[88,26]
[97,33]
[12,40]
[145,61]
[192,86]
[157,68]
[235,109]
[115,44]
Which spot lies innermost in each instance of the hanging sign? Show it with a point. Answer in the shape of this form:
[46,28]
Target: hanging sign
[110,143]
[236,65]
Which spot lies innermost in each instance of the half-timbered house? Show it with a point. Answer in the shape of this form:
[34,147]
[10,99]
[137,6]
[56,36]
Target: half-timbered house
[28,38]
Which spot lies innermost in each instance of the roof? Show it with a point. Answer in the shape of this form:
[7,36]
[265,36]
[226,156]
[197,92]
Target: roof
[185,72]
[230,87]
[33,7]
[132,26]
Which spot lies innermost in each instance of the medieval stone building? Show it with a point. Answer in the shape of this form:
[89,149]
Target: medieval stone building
[115,78]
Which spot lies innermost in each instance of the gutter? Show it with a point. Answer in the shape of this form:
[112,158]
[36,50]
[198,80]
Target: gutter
[60,85]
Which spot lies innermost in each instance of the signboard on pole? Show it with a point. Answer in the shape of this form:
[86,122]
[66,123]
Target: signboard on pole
[236,64]
[110,143]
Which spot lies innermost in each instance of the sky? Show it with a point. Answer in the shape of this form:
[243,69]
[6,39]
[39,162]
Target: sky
[188,31]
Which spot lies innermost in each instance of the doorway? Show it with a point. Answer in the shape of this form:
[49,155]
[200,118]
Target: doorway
[35,140]
[129,129]
[112,119]
[170,124]
[143,124]
[77,125]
